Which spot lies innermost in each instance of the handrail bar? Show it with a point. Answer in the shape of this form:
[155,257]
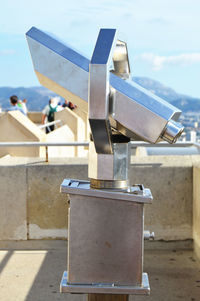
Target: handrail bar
[86,143]
[164,144]
[49,124]
[134,144]
[35,143]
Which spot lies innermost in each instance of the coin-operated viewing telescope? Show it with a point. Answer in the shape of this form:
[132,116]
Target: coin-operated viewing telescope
[105,232]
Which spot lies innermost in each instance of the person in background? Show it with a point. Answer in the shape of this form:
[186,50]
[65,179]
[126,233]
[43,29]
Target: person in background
[65,104]
[48,113]
[19,103]
[14,104]
[24,107]
[60,107]
[69,105]
[72,106]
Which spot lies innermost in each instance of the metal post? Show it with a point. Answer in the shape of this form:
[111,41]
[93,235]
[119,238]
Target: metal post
[47,156]
[107,297]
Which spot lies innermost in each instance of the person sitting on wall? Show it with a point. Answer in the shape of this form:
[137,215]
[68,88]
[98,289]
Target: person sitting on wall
[72,106]
[69,105]
[65,104]
[14,105]
[48,113]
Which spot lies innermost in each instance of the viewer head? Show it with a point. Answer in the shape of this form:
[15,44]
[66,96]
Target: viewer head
[14,100]
[54,101]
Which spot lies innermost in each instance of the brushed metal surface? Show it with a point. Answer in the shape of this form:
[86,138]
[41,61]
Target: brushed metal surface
[110,166]
[59,66]
[121,60]
[135,193]
[172,131]
[65,287]
[109,184]
[105,241]
[138,113]
[99,91]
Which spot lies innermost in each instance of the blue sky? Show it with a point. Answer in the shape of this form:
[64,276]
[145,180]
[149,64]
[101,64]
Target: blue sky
[163,36]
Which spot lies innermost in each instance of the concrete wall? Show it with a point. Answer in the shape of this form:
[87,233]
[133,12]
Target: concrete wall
[33,208]
[35,117]
[78,127]
[13,203]
[61,134]
[170,181]
[17,127]
[196,209]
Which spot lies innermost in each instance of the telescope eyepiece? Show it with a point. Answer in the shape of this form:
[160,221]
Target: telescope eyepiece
[172,131]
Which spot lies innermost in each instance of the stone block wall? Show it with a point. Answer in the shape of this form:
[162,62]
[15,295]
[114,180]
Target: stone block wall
[196,209]
[32,206]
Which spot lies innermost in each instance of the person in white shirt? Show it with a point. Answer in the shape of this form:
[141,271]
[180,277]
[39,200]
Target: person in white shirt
[48,113]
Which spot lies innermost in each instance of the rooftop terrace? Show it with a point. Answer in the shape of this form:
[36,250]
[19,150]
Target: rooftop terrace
[32,271]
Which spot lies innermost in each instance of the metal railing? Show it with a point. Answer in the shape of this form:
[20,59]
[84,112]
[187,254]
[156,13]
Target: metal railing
[47,125]
[86,143]
[40,144]
[134,144]
[35,143]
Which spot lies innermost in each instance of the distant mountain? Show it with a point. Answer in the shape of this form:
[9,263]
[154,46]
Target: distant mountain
[38,97]
[183,102]
[157,88]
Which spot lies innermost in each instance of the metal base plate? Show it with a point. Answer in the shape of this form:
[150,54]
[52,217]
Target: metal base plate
[144,289]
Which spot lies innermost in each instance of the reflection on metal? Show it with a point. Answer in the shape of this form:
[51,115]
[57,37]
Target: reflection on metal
[149,235]
[172,131]
[121,60]
[58,67]
[109,184]
[110,166]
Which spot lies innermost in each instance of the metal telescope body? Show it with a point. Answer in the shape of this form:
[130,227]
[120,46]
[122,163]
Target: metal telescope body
[110,209]
[137,113]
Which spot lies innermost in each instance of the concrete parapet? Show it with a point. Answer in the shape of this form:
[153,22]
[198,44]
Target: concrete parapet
[84,116]
[78,127]
[17,127]
[35,117]
[13,203]
[169,178]
[170,181]
[61,134]
[196,209]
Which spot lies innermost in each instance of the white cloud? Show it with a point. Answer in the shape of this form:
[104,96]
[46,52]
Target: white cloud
[159,62]
[7,52]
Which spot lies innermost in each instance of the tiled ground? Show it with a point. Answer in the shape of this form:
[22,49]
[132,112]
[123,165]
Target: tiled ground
[34,275]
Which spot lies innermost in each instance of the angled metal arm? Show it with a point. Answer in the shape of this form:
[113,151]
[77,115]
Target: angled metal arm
[99,90]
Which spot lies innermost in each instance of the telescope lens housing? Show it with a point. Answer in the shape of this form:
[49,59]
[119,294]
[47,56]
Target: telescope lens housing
[172,131]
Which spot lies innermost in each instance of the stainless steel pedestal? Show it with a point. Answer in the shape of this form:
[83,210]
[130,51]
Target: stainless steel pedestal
[105,233]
